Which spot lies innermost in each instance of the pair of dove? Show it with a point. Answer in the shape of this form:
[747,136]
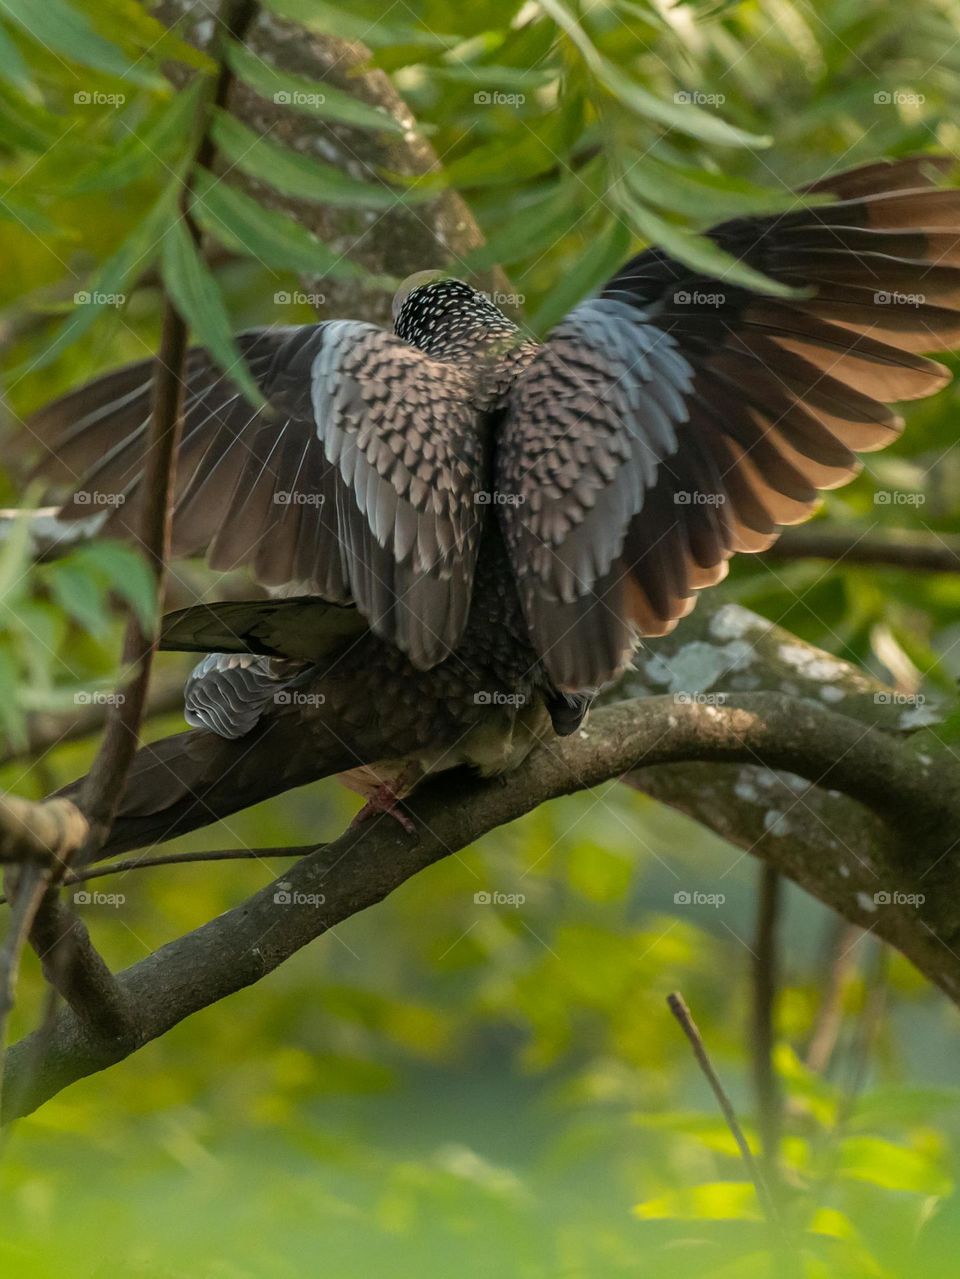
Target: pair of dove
[466,532]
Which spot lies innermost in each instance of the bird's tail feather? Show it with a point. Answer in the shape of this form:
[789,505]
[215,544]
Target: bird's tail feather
[190,780]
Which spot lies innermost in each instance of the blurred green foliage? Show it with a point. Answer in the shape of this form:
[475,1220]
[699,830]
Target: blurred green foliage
[452,1085]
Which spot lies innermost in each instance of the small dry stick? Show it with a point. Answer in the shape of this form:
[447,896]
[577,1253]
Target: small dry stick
[185,859]
[678,1007]
[765,980]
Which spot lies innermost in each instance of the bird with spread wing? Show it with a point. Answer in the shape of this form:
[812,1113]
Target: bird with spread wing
[465,533]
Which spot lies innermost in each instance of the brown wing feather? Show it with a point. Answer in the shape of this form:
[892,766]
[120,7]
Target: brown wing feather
[677,419]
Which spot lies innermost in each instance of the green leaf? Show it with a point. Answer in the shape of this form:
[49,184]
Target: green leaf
[487,75]
[713,1200]
[533,228]
[26,124]
[111,280]
[63,30]
[694,250]
[124,571]
[11,716]
[197,297]
[700,194]
[593,267]
[79,596]
[25,213]
[902,1105]
[497,163]
[242,224]
[140,154]
[138,29]
[883,1163]
[683,116]
[12,66]
[335,20]
[14,559]
[310,97]
[296,175]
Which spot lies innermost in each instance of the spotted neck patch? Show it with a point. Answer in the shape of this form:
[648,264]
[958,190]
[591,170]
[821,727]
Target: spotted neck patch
[447,318]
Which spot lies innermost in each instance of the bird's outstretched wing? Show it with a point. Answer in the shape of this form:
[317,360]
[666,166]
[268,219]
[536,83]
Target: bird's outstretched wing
[356,482]
[676,418]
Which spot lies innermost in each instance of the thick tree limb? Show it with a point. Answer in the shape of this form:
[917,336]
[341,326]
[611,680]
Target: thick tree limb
[774,815]
[362,867]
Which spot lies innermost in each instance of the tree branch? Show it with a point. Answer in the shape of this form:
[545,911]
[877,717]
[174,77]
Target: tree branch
[104,783]
[70,961]
[363,866]
[885,548]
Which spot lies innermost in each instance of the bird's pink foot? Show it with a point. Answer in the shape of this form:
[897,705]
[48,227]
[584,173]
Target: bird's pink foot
[384,800]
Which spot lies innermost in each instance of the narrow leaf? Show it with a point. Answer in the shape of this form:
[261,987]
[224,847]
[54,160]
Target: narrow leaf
[242,224]
[593,267]
[310,97]
[197,297]
[334,20]
[62,29]
[141,153]
[109,284]
[686,117]
[696,251]
[296,175]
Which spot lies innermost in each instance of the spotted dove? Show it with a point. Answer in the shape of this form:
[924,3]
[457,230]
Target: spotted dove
[466,533]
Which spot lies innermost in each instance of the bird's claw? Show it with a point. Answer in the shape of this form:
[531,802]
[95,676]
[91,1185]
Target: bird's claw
[384,800]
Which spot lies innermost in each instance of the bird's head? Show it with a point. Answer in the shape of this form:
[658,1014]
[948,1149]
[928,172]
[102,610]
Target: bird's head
[433,311]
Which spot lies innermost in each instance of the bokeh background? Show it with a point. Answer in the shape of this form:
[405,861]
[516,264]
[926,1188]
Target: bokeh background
[481,1077]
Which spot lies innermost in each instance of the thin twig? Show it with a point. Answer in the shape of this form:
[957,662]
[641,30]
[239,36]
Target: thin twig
[871,1019]
[768,1204]
[861,1053]
[71,962]
[104,784]
[27,888]
[186,859]
[899,548]
[764,986]
[829,1020]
